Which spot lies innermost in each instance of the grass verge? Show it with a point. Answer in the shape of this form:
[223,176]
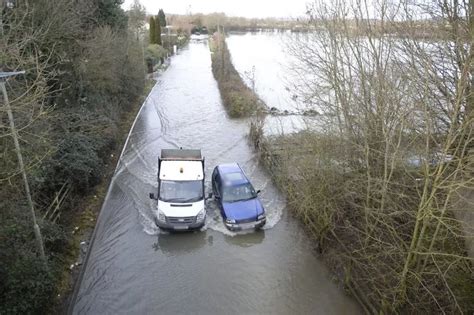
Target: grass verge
[366,245]
[239,100]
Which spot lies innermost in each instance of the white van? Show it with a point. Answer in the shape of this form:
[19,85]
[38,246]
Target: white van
[180,198]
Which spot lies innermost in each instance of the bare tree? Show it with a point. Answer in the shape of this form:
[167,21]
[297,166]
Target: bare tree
[25,142]
[137,18]
[381,180]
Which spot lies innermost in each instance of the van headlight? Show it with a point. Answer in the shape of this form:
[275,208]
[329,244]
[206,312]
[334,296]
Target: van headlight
[161,216]
[230,221]
[201,215]
[261,217]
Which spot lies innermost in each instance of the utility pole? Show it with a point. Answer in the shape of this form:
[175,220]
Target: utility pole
[168,27]
[222,47]
[39,239]
[145,66]
[1,17]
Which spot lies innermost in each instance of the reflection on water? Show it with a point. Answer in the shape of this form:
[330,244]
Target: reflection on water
[173,244]
[246,238]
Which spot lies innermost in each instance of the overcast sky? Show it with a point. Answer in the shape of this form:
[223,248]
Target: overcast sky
[247,8]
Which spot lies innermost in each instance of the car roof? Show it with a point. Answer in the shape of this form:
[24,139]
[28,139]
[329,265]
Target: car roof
[232,174]
[229,168]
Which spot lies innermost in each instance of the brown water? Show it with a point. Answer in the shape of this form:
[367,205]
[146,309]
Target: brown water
[133,268]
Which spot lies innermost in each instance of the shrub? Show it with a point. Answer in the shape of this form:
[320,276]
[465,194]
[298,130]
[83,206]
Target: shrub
[26,286]
[102,61]
[154,55]
[83,72]
[76,161]
[132,74]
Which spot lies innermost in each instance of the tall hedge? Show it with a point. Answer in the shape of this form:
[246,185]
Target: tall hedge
[162,18]
[157,32]
[152,30]
[84,70]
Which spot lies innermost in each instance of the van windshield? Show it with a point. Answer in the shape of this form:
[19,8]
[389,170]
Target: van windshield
[238,193]
[181,191]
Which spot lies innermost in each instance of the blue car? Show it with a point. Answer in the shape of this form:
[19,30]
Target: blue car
[237,199]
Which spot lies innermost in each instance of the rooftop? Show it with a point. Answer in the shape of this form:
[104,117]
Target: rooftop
[229,168]
[181,170]
[232,174]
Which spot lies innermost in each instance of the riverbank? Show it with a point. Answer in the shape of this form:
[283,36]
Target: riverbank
[360,194]
[367,252]
[239,100]
[282,175]
[269,150]
[81,225]
[289,161]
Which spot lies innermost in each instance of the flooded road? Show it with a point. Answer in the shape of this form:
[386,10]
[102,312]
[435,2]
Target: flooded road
[133,268]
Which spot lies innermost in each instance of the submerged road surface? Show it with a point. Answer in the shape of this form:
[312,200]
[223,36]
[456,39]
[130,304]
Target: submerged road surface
[133,268]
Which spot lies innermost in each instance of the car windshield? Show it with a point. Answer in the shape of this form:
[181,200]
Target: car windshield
[238,193]
[181,191]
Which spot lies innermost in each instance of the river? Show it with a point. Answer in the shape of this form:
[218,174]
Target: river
[133,268]
[264,62]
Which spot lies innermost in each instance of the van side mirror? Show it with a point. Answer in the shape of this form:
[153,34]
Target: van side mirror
[258,192]
[152,196]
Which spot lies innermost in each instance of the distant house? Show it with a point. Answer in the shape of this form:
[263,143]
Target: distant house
[10,4]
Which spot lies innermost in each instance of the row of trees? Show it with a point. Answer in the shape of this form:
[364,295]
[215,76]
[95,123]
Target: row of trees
[154,45]
[212,21]
[155,31]
[382,183]
[84,69]
[399,110]
[160,46]
[156,24]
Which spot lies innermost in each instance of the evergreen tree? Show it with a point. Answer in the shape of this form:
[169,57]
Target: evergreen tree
[162,18]
[157,31]
[110,13]
[152,30]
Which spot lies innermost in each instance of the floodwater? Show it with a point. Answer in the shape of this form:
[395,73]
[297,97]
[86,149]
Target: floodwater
[264,62]
[133,268]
